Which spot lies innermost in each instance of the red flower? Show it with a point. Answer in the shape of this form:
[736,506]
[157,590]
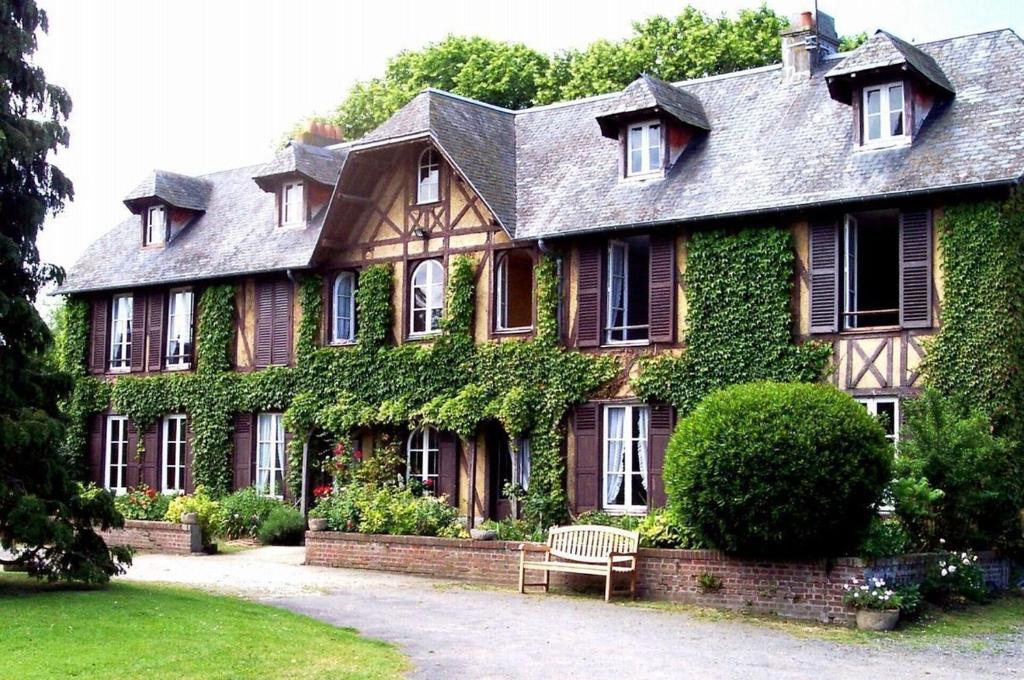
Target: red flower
[151,493]
[321,491]
[339,449]
[429,483]
[358,454]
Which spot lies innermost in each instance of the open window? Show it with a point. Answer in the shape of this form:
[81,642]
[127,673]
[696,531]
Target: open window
[156,225]
[293,204]
[627,300]
[428,177]
[887,410]
[121,333]
[270,454]
[871,269]
[513,288]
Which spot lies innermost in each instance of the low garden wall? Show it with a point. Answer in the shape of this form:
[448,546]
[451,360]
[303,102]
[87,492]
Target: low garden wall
[800,590]
[162,537]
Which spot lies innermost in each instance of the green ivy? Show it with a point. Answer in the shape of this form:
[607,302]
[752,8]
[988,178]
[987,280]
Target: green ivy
[739,323]
[215,329]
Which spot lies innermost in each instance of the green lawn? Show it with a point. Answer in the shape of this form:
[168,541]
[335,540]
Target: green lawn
[128,630]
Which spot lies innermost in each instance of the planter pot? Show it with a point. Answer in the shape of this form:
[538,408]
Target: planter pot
[317,524]
[877,619]
[483,534]
[189,518]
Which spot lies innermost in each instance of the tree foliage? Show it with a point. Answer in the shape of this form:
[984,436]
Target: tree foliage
[46,518]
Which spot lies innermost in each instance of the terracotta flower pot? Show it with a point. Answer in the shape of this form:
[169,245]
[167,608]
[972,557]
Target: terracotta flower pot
[877,619]
[317,524]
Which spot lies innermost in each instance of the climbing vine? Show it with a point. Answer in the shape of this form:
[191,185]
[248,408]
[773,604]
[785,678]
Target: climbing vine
[739,322]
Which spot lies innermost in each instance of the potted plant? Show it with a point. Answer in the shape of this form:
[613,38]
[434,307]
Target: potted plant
[877,605]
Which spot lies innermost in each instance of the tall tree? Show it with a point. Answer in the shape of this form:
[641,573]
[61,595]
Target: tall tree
[46,518]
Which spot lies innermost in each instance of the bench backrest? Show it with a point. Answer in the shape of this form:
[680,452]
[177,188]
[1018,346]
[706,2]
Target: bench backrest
[591,543]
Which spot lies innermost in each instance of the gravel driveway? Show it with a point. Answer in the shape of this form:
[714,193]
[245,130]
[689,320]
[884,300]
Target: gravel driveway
[450,630]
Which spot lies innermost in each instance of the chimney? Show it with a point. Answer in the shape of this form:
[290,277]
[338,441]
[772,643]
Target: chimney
[810,38]
[321,134]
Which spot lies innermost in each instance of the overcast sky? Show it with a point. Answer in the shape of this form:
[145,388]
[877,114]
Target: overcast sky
[195,86]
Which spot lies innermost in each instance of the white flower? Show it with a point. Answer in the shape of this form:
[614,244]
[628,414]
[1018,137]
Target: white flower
[942,541]
[854,580]
[952,568]
[945,573]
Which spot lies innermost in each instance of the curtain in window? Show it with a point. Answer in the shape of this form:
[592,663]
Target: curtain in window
[524,463]
[616,454]
[265,439]
[643,420]
[279,454]
[618,286]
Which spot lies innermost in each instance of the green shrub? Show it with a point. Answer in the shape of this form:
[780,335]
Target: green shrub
[510,529]
[658,529]
[388,510]
[282,526]
[200,502]
[777,470]
[980,476]
[243,512]
[885,537]
[142,502]
[954,579]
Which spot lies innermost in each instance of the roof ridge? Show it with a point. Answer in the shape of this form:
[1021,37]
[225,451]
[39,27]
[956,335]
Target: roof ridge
[469,100]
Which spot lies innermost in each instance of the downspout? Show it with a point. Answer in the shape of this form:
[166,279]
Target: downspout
[305,476]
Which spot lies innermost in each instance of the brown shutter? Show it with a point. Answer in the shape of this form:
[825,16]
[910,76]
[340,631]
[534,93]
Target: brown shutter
[138,348]
[282,324]
[448,467]
[662,421]
[588,457]
[96,423]
[264,323]
[588,296]
[100,326]
[243,450]
[151,462]
[824,281]
[132,473]
[155,329]
[915,269]
[662,289]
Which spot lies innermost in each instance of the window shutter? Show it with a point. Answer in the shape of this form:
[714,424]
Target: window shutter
[662,421]
[100,324]
[138,349]
[264,322]
[662,289]
[132,473]
[588,457]
[448,466]
[243,450]
[915,269]
[155,329]
[154,455]
[588,296]
[96,449]
[281,328]
[824,255]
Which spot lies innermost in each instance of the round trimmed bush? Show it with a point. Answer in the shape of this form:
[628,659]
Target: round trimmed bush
[784,470]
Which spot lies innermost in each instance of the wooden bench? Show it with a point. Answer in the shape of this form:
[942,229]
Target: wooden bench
[584,549]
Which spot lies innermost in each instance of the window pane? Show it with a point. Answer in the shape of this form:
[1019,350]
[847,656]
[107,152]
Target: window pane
[419,297]
[887,415]
[654,147]
[874,127]
[419,321]
[874,102]
[896,123]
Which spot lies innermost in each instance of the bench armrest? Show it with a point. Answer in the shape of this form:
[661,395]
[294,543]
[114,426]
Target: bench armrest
[622,557]
[529,547]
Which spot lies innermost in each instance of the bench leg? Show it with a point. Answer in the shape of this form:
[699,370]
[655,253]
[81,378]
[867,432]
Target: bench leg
[632,584]
[608,587]
[522,576]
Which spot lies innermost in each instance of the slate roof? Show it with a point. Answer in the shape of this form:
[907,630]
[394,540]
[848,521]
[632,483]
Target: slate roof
[884,50]
[647,93]
[319,164]
[181,191]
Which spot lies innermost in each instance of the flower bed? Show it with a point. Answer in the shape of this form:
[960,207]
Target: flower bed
[799,590]
[157,536]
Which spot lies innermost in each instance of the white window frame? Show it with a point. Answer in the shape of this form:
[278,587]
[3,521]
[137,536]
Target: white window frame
[293,213]
[342,311]
[428,444]
[884,114]
[174,454]
[629,439]
[501,294]
[428,188]
[434,278]
[125,324]
[614,245]
[181,360]
[275,457]
[116,450]
[153,238]
[872,403]
[646,145]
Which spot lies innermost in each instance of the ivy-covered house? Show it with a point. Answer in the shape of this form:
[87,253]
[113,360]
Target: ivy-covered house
[531,297]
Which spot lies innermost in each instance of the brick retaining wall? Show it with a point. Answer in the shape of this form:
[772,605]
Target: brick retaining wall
[800,590]
[162,537]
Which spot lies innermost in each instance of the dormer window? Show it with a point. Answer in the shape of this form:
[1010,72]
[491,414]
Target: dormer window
[293,204]
[428,177]
[156,225]
[643,148]
[884,116]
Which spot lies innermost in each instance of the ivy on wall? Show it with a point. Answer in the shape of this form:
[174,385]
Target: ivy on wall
[739,322]
[978,353]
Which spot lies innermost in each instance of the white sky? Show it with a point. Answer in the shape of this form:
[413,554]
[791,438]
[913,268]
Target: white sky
[195,86]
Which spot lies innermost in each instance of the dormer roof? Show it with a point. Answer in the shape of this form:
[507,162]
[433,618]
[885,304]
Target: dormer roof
[319,164]
[179,191]
[884,52]
[648,95]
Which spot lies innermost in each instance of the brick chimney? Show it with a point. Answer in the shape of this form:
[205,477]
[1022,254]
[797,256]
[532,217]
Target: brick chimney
[321,134]
[805,43]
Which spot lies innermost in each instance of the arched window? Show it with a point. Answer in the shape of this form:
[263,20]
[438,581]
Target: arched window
[421,458]
[426,298]
[513,289]
[428,177]
[344,300]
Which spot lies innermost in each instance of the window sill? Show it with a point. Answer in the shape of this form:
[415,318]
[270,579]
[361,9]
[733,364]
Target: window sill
[178,367]
[424,204]
[626,343]
[870,330]
[623,511]
[513,331]
[293,225]
[416,337]
[900,142]
[119,369]
[341,343]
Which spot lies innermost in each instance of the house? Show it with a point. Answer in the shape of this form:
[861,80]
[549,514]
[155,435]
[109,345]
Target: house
[856,154]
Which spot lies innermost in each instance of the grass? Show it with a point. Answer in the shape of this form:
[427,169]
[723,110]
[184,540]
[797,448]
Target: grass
[128,630]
